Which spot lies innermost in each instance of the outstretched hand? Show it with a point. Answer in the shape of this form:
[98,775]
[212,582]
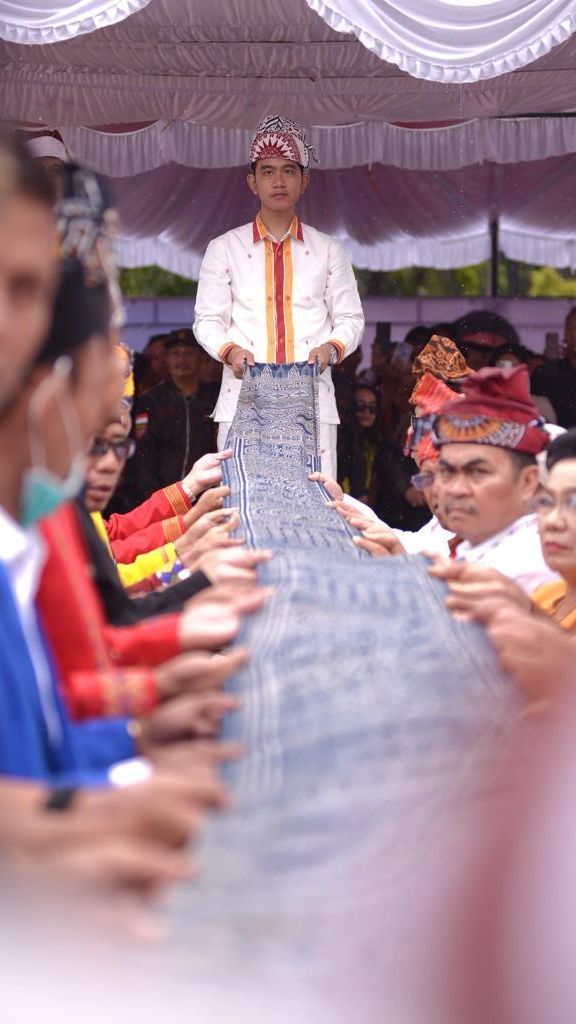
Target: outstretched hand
[537,652]
[322,353]
[379,540]
[209,501]
[331,485]
[214,534]
[477,592]
[206,472]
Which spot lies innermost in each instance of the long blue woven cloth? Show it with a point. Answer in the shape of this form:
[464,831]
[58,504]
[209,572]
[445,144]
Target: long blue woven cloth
[367,709]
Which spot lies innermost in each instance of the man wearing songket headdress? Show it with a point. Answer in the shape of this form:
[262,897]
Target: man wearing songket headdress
[439,369]
[487,473]
[277,290]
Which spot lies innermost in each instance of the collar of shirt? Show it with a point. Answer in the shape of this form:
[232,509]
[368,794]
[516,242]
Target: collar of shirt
[474,552]
[23,553]
[260,232]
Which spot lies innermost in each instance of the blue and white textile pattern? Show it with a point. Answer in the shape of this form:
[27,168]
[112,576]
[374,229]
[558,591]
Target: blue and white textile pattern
[368,711]
[275,439]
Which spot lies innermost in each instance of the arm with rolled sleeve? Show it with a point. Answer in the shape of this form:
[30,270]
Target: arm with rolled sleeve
[163,509]
[343,302]
[213,308]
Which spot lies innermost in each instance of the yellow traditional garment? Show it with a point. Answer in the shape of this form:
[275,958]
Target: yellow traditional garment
[159,560]
[548,598]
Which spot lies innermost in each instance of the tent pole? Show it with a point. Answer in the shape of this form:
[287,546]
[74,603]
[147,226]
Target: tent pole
[494,257]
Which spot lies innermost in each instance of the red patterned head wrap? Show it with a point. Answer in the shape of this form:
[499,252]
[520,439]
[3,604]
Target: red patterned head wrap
[278,137]
[429,396]
[425,451]
[496,409]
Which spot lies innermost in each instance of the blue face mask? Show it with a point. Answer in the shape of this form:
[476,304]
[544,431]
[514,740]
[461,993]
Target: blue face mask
[43,491]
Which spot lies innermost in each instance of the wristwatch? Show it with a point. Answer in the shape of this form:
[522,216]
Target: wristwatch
[334,354]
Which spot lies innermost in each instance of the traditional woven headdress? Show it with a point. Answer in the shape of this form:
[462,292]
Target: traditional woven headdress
[278,137]
[88,300]
[441,358]
[429,396]
[495,409]
[425,450]
[87,226]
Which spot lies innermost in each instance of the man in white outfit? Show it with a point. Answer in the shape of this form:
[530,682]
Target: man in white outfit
[277,290]
[485,479]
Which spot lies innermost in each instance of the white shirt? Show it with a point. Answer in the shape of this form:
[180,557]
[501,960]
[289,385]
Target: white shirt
[430,537]
[279,299]
[23,555]
[516,552]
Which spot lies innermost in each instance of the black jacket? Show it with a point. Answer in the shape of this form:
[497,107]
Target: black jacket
[557,381]
[179,431]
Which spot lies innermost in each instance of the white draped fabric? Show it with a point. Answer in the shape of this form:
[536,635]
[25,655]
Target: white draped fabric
[227,63]
[437,149]
[163,97]
[48,21]
[386,217]
[453,40]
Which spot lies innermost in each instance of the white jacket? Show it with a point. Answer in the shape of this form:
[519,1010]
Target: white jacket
[277,299]
[516,552]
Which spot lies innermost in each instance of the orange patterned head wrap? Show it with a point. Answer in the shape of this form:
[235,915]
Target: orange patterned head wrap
[442,359]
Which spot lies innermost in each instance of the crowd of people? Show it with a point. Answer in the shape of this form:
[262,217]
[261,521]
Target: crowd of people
[173,426]
[118,623]
[374,404]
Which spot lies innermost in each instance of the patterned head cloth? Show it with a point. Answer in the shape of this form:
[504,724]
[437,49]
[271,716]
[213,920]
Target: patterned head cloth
[495,409]
[429,396]
[87,226]
[278,137]
[425,451]
[88,300]
[441,358]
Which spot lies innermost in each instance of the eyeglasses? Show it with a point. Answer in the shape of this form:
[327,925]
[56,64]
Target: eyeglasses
[365,407]
[122,449]
[544,504]
[422,480]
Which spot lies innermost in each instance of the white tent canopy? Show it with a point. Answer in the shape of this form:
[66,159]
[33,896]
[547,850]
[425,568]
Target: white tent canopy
[453,40]
[226,63]
[413,168]
[388,218]
[29,22]
[442,148]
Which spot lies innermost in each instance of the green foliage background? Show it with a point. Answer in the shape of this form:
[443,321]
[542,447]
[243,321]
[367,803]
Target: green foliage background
[514,279]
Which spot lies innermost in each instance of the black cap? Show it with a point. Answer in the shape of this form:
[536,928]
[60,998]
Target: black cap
[183,336]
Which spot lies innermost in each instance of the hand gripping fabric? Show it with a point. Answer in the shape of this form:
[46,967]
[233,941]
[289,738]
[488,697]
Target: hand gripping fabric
[368,713]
